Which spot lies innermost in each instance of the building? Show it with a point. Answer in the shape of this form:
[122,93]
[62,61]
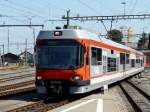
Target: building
[26,57]
[146,58]
[10,58]
[129,38]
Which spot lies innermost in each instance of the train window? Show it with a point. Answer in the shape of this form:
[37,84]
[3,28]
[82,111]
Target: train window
[137,60]
[122,58]
[99,55]
[87,57]
[112,51]
[112,65]
[60,56]
[141,62]
[132,62]
[127,59]
[94,52]
[96,56]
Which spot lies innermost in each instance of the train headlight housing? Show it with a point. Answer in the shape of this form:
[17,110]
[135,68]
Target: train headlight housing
[38,77]
[76,77]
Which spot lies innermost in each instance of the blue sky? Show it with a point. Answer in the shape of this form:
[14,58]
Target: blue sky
[39,11]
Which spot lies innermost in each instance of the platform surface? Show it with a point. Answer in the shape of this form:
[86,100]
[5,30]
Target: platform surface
[109,101]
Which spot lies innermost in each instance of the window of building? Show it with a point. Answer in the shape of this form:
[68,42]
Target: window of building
[111,66]
[96,56]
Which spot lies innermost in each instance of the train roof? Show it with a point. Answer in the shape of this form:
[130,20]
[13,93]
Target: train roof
[83,34]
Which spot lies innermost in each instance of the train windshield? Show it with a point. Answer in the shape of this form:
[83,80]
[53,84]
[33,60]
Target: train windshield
[59,55]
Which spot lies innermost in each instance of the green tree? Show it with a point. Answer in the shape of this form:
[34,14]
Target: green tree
[142,43]
[115,35]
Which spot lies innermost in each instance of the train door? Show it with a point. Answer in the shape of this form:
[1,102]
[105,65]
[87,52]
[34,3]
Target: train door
[124,64]
[122,61]
[104,61]
[124,67]
[96,62]
[132,62]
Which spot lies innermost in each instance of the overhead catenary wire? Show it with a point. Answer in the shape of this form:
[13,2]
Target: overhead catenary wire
[35,13]
[58,7]
[89,7]
[13,8]
[92,9]
[134,5]
[23,15]
[23,8]
[102,5]
[31,10]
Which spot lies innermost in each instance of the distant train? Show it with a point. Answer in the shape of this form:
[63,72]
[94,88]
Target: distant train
[76,61]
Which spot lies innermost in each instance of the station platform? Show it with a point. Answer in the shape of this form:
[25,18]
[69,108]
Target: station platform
[109,101]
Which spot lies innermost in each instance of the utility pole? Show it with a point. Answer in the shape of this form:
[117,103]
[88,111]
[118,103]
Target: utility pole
[26,45]
[0,58]
[68,19]
[22,25]
[33,47]
[34,36]
[3,58]
[8,40]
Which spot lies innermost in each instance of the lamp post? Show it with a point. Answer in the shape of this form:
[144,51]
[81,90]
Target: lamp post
[124,5]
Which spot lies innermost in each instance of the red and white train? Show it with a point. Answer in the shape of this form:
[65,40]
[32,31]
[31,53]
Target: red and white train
[76,61]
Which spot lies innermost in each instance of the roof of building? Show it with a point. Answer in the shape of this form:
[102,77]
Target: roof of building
[11,55]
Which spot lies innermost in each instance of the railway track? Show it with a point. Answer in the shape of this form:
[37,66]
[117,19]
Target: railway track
[15,77]
[51,103]
[139,99]
[17,88]
[16,72]
[10,68]
[16,82]
[41,106]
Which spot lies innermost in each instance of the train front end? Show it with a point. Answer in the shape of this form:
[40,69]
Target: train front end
[59,62]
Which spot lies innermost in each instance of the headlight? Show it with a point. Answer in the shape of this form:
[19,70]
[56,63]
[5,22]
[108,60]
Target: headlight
[77,77]
[38,77]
